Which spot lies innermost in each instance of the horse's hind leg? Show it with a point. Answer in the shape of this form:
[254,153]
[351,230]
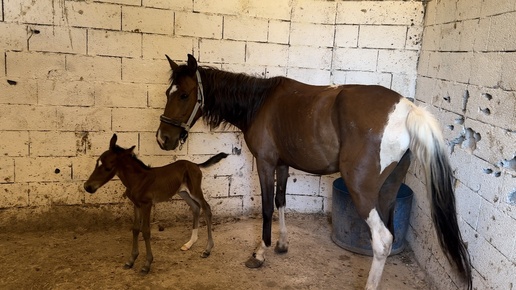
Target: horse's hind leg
[207,215]
[281,186]
[196,212]
[136,232]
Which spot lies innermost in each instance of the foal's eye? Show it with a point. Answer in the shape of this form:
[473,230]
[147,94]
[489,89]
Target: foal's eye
[183,96]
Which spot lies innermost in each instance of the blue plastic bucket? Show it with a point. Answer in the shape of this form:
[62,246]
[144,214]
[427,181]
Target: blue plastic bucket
[352,233]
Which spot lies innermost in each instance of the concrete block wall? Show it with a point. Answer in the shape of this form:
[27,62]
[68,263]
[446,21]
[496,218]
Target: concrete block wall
[466,76]
[74,72]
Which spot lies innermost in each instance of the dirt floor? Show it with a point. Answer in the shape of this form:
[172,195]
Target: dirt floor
[93,259]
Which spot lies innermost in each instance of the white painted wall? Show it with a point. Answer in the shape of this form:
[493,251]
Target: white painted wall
[468,52]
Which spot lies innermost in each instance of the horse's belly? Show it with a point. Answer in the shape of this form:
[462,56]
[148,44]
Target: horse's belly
[313,157]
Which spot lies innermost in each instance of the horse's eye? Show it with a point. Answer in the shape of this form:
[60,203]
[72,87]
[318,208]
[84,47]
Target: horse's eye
[183,96]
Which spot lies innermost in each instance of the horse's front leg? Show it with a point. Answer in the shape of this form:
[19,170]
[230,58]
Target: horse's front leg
[266,175]
[146,210]
[281,187]
[136,232]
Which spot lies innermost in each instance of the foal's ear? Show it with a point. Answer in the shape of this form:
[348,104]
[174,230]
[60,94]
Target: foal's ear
[173,65]
[192,63]
[131,150]
[112,143]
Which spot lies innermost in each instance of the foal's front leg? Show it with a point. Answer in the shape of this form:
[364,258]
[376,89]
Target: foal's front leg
[136,232]
[146,210]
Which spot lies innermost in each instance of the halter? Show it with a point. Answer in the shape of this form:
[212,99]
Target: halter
[199,104]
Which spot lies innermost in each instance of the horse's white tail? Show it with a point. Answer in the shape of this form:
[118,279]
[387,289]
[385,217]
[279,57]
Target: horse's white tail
[427,144]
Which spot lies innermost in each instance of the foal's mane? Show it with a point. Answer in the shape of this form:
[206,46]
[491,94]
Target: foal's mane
[118,149]
[233,98]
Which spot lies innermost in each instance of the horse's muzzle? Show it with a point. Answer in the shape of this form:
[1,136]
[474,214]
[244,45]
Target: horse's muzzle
[89,188]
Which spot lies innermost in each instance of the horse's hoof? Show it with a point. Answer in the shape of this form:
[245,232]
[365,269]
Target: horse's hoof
[128,266]
[281,249]
[145,270]
[205,254]
[253,263]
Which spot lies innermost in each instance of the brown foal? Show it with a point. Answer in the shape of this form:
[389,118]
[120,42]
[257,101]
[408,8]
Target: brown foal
[146,186]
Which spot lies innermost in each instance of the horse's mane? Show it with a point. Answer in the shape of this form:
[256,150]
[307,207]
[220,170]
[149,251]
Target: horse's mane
[233,98]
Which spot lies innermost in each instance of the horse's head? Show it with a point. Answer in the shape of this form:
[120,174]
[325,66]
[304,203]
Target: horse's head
[106,166]
[184,103]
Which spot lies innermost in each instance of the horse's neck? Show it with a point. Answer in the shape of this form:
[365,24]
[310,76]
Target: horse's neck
[131,172]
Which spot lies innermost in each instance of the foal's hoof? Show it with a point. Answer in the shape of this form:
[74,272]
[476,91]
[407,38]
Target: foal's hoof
[128,266]
[205,254]
[144,270]
[281,249]
[253,263]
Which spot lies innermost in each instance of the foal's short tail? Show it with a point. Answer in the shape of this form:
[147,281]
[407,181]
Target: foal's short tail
[213,160]
[427,143]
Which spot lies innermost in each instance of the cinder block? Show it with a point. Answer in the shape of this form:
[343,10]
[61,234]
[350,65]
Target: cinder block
[149,147]
[279,9]
[279,31]
[52,193]
[253,70]
[176,47]
[266,54]
[156,97]
[404,84]
[6,169]
[57,39]
[355,59]
[98,142]
[243,28]
[14,195]
[228,7]
[432,38]
[236,166]
[468,204]
[397,61]
[114,43]
[83,166]
[27,11]
[309,57]
[215,186]
[43,169]
[198,25]
[499,39]
[310,76]
[445,12]
[490,8]
[272,71]
[492,106]
[34,65]
[306,33]
[314,12]
[53,92]
[123,95]
[210,143]
[123,119]
[368,78]
[21,117]
[425,89]
[80,67]
[383,12]
[147,20]
[123,2]
[453,66]
[2,65]
[52,143]
[303,184]
[84,119]
[495,227]
[508,81]
[468,9]
[450,33]
[13,36]
[232,206]
[346,35]
[414,37]
[176,5]
[94,15]
[225,51]
[23,91]
[304,204]
[145,71]
[14,143]
[374,36]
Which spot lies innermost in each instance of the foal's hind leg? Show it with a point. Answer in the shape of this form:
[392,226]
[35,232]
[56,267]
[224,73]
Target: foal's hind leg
[146,210]
[196,211]
[136,232]
[281,186]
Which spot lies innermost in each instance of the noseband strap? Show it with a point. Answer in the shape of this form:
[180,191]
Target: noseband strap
[199,104]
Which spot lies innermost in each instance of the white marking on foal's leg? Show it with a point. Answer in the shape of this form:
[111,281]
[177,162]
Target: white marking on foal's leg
[282,245]
[192,241]
[381,243]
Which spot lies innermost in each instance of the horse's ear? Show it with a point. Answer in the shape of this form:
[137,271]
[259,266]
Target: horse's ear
[173,65]
[130,150]
[192,63]
[112,143]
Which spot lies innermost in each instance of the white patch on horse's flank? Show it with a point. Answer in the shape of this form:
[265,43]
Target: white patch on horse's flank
[395,139]
[381,243]
[333,86]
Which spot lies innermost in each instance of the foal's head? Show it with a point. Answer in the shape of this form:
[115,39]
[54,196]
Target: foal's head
[183,107]
[107,165]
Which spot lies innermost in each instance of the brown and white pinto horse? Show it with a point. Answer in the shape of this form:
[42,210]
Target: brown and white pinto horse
[367,133]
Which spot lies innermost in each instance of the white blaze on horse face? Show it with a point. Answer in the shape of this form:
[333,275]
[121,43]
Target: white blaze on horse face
[172,89]
[395,139]
[381,243]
